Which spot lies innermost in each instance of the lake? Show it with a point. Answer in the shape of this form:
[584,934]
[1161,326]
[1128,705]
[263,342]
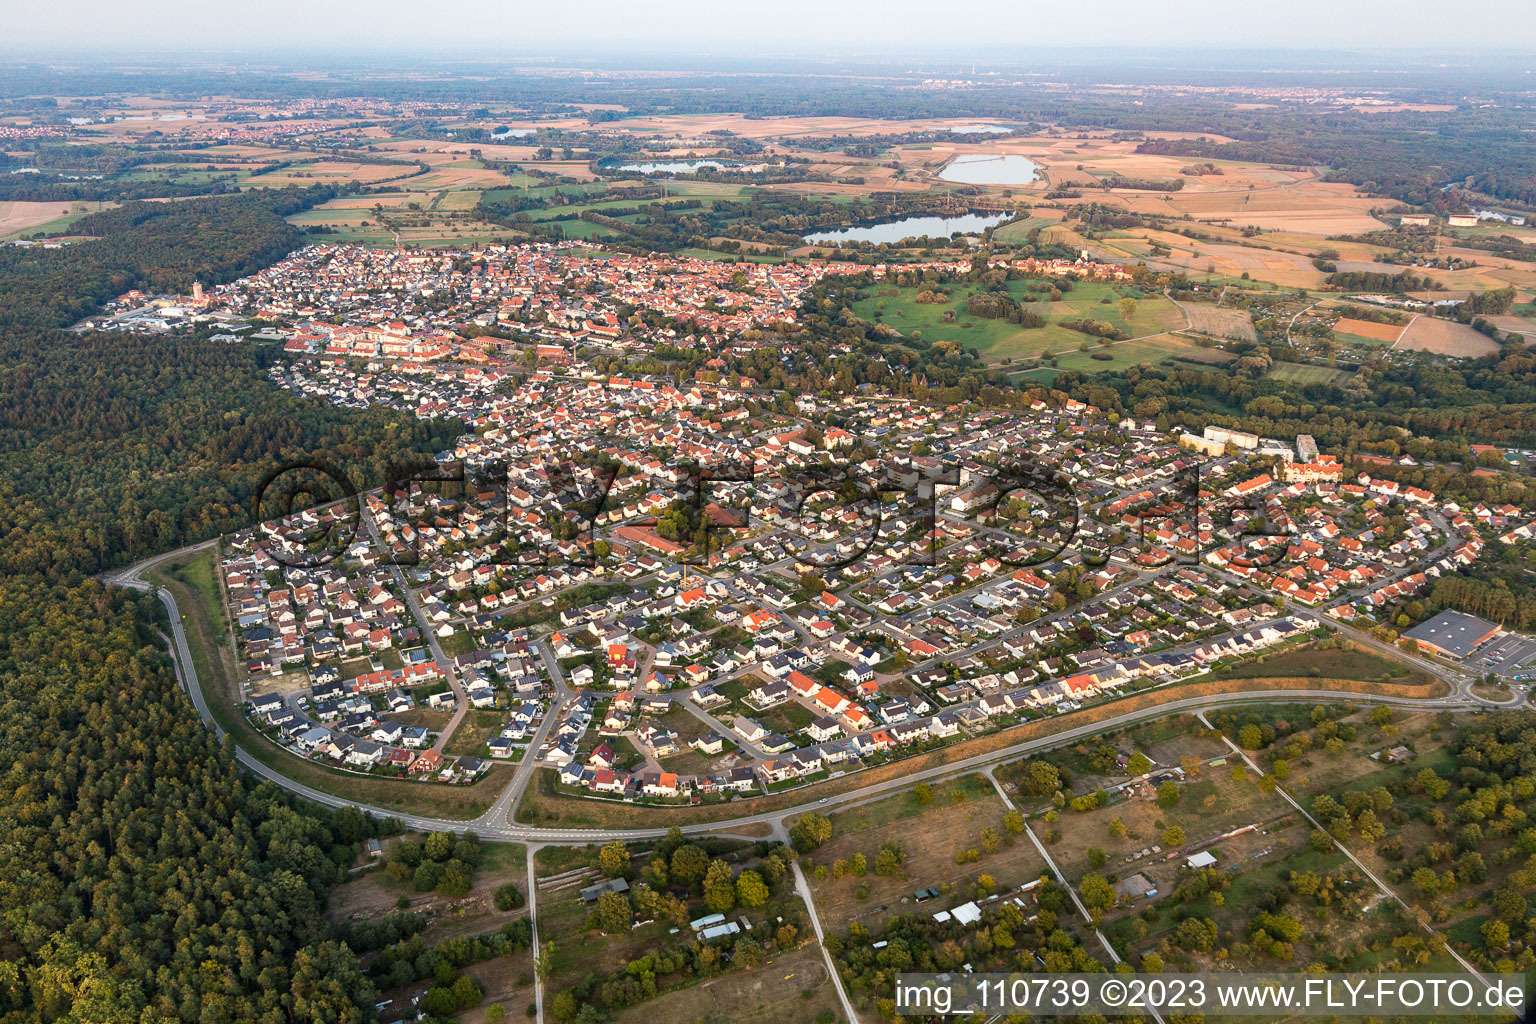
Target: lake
[985,169]
[513,133]
[979,129]
[671,166]
[910,227]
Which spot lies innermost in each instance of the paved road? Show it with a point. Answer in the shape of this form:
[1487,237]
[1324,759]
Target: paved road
[460,700]
[533,919]
[495,823]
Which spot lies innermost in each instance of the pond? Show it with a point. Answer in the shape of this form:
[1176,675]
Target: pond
[670,166]
[910,227]
[986,169]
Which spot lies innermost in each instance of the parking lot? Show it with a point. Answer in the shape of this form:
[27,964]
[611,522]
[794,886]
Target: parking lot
[1509,655]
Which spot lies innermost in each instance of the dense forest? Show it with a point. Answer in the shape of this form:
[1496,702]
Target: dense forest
[141,877]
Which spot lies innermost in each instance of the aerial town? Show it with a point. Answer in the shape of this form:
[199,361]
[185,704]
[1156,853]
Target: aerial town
[619,515]
[787,635]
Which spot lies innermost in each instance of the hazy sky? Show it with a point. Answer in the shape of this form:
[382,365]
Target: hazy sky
[774,27]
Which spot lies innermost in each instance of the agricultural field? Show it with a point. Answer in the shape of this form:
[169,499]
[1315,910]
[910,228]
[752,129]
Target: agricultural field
[1017,232]
[419,218]
[1303,205]
[459,200]
[330,172]
[1201,257]
[1220,322]
[1367,331]
[1446,337]
[21,219]
[187,173]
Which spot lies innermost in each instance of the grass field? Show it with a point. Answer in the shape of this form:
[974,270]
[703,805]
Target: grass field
[715,254]
[1303,373]
[1132,353]
[997,339]
[478,725]
[1017,232]
[1334,663]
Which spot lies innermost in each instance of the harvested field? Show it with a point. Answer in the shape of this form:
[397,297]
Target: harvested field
[1516,324]
[1221,323]
[1369,329]
[1231,259]
[1367,266]
[1445,337]
[1304,206]
[21,217]
[456,177]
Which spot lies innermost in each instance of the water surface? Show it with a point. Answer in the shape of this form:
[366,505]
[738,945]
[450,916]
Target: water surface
[986,169]
[909,227]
